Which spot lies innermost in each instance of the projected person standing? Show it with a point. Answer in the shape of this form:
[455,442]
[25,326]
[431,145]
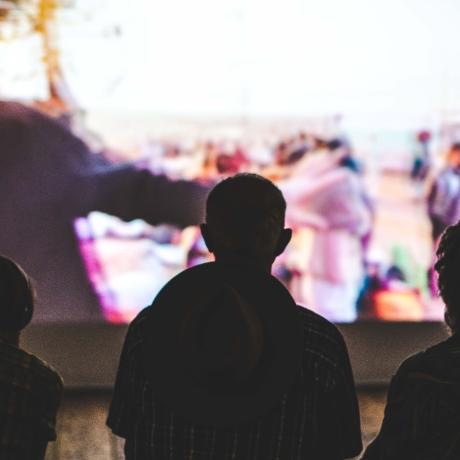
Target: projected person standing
[48,178]
[224,364]
[444,195]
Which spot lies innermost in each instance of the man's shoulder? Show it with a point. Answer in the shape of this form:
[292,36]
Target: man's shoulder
[48,373]
[135,334]
[38,371]
[319,326]
[322,338]
[438,362]
[136,325]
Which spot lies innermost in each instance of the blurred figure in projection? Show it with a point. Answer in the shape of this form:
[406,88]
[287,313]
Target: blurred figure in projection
[290,151]
[49,178]
[444,203]
[422,160]
[342,224]
[444,195]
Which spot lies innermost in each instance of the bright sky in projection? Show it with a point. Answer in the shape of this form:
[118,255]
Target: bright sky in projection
[397,58]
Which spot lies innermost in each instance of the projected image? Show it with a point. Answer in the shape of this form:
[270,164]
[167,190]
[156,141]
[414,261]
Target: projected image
[358,127]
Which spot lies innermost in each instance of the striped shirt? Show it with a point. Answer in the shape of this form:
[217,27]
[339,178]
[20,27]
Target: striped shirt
[317,419]
[30,393]
[422,416]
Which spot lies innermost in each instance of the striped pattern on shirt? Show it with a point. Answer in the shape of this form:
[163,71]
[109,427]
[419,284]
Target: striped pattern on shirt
[422,415]
[30,393]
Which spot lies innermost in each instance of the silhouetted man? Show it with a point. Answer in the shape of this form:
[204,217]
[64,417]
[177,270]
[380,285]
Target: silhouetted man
[422,414]
[30,390]
[48,178]
[224,364]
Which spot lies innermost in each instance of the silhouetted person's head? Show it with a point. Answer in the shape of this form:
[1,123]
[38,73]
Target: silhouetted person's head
[448,268]
[245,220]
[16,299]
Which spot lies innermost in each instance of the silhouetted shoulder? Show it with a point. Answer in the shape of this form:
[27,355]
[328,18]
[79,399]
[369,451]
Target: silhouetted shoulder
[38,371]
[312,318]
[47,373]
[441,361]
[319,328]
[134,336]
[323,340]
[140,319]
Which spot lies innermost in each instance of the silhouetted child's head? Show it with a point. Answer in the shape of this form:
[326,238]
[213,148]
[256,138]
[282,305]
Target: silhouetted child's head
[16,297]
[245,218]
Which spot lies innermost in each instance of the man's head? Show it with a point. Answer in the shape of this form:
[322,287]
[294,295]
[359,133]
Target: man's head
[16,298]
[448,266]
[245,220]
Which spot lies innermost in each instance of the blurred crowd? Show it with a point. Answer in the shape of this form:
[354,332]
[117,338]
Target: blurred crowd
[331,264]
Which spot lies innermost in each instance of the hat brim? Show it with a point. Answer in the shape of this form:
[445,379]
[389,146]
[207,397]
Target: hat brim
[165,360]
